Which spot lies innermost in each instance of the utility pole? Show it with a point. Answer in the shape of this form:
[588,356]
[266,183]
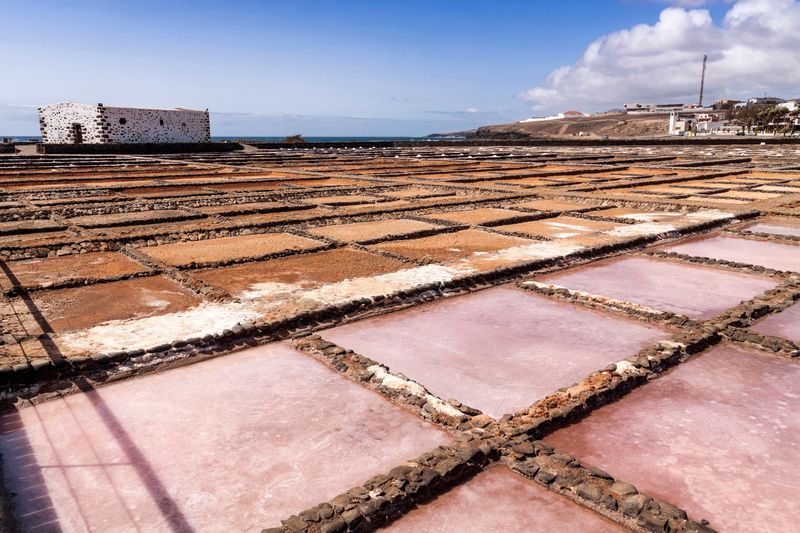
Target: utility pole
[703,80]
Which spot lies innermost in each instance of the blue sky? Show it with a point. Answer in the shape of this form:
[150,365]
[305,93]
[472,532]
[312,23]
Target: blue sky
[312,67]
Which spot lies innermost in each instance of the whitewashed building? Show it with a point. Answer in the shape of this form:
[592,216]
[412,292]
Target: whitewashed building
[71,123]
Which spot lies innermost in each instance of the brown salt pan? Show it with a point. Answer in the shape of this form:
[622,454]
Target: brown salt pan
[560,227]
[51,270]
[227,248]
[447,246]
[376,229]
[82,307]
[307,270]
[478,216]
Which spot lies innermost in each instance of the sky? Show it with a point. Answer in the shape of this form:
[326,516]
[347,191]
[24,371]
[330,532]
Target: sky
[382,67]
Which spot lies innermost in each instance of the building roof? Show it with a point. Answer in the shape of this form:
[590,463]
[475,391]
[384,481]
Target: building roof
[130,107]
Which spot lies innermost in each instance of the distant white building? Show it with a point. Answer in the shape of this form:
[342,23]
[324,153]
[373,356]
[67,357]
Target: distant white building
[541,119]
[766,100]
[71,123]
[657,109]
[565,114]
[790,105]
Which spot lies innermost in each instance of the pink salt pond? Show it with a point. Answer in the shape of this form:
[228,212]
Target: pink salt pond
[497,350]
[785,324]
[694,291]
[498,500]
[232,444]
[767,254]
[717,436]
[775,229]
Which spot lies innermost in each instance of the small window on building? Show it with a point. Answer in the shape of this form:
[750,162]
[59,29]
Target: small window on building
[123,121]
[161,121]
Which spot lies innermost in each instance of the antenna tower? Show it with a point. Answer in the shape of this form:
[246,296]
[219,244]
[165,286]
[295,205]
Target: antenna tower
[703,80]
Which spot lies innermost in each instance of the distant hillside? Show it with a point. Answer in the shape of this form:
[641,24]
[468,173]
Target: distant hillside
[614,126]
[459,134]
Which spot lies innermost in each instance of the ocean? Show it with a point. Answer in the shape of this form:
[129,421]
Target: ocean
[319,139]
[17,138]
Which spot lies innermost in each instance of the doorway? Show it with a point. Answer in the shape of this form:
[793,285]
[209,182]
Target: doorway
[77,133]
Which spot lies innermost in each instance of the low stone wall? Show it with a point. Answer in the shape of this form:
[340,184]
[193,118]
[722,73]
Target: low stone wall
[144,148]
[517,141]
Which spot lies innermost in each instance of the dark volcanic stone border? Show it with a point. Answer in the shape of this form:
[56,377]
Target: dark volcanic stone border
[596,489]
[386,497]
[144,148]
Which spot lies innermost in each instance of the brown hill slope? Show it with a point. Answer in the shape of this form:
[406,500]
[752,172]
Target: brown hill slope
[614,126]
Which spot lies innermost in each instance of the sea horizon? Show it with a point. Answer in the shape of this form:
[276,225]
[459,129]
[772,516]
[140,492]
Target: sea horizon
[278,138]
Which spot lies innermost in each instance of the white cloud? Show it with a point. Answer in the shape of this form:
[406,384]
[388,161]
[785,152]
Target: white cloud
[753,50]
